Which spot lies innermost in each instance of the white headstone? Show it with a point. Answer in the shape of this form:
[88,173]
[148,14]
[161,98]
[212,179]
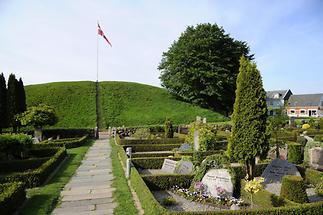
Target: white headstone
[204,120]
[196,141]
[218,179]
[198,119]
[184,167]
[316,157]
[274,173]
[169,166]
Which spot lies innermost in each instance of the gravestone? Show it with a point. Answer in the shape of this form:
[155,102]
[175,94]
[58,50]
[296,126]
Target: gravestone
[274,173]
[196,141]
[184,147]
[169,166]
[204,120]
[184,167]
[316,158]
[216,179]
[282,153]
[198,119]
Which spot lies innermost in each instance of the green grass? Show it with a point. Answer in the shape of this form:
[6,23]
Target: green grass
[122,103]
[122,195]
[74,102]
[133,104]
[42,200]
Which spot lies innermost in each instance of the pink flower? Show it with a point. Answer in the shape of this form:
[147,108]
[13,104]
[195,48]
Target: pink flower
[199,186]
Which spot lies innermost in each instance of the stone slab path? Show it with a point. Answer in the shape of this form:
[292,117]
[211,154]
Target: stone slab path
[90,190]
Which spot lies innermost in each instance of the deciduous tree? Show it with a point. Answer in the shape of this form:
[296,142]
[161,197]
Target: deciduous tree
[201,67]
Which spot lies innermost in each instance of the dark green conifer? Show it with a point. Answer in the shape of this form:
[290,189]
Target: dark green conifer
[3,102]
[249,137]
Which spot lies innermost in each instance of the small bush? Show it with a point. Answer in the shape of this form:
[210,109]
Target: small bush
[168,127]
[164,182]
[319,188]
[11,195]
[302,140]
[14,144]
[142,133]
[293,188]
[67,142]
[318,138]
[295,154]
[21,165]
[169,201]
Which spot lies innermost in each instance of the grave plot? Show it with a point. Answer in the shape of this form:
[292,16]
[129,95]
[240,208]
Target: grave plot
[179,178]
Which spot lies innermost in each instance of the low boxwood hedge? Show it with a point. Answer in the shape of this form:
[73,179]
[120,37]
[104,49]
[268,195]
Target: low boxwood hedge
[164,182]
[40,151]
[175,153]
[37,176]
[151,206]
[11,196]
[151,163]
[293,188]
[295,153]
[69,132]
[21,165]
[67,142]
[14,145]
[151,141]
[153,147]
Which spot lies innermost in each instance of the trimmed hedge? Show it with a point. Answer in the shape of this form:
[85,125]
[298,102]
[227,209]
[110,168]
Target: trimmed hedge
[153,147]
[21,165]
[151,163]
[293,188]
[69,132]
[164,182]
[67,142]
[152,141]
[295,153]
[175,154]
[318,138]
[40,151]
[37,176]
[14,144]
[11,196]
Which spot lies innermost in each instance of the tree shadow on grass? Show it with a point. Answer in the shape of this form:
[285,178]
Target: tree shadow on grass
[34,205]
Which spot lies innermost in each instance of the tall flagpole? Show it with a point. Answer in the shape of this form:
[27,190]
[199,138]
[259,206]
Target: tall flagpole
[97,55]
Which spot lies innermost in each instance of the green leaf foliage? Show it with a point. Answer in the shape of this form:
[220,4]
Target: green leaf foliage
[293,188]
[249,137]
[169,131]
[12,103]
[3,102]
[202,66]
[39,116]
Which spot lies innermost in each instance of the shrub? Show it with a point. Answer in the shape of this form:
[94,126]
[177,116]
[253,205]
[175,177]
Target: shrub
[302,140]
[142,133]
[168,127]
[207,136]
[69,132]
[293,188]
[164,182]
[318,138]
[21,165]
[39,175]
[154,147]
[319,188]
[150,162]
[149,142]
[169,201]
[295,154]
[67,142]
[11,195]
[306,126]
[14,144]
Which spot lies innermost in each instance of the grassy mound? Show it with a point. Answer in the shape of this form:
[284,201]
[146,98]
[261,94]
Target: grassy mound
[74,102]
[122,103]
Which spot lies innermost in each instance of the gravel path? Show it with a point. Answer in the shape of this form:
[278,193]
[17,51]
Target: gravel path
[89,191]
[182,203]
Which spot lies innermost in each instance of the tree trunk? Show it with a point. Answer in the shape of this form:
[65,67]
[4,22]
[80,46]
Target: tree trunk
[250,169]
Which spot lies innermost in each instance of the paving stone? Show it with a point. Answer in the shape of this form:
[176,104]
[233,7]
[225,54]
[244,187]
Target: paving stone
[90,189]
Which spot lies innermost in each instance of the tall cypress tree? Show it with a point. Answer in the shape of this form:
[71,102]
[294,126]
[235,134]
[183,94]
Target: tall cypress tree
[21,96]
[3,102]
[249,137]
[12,101]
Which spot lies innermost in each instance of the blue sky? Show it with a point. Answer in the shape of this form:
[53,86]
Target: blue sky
[49,41]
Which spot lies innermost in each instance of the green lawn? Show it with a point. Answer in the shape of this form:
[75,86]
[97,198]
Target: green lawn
[122,195]
[74,102]
[122,103]
[42,200]
[132,104]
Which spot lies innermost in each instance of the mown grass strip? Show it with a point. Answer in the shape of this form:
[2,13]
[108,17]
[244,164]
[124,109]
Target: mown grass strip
[122,194]
[42,200]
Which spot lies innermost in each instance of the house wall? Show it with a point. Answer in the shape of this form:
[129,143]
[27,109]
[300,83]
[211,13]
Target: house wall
[304,111]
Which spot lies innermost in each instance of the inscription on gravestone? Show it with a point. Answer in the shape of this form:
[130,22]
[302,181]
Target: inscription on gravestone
[184,167]
[316,157]
[169,166]
[274,173]
[218,180]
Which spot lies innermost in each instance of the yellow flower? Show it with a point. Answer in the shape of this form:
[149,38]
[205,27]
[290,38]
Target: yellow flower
[306,126]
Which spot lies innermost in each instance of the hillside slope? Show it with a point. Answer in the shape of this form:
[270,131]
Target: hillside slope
[122,103]
[74,102]
[130,104]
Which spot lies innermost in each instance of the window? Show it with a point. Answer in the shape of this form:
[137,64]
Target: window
[313,112]
[292,111]
[303,112]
